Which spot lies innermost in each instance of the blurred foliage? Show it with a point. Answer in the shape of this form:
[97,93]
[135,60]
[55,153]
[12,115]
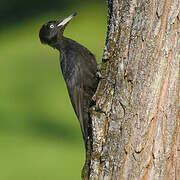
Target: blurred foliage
[40,137]
[15,11]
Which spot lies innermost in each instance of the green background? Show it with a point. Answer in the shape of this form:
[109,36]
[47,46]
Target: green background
[40,137]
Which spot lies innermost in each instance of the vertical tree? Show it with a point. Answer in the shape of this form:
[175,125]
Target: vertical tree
[136,119]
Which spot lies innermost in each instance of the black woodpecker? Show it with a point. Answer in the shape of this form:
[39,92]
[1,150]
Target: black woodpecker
[78,67]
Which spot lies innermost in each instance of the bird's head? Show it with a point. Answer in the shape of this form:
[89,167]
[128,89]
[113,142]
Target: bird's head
[52,31]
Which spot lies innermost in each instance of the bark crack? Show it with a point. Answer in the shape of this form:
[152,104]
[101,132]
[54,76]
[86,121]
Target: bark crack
[170,160]
[159,40]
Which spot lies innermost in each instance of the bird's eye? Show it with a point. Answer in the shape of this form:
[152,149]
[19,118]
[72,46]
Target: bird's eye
[51,26]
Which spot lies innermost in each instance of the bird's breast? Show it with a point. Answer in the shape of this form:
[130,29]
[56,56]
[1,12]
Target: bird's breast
[67,67]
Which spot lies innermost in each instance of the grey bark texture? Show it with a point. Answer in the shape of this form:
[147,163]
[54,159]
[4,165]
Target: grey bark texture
[136,119]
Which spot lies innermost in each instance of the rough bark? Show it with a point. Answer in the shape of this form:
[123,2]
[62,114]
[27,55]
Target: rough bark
[136,119]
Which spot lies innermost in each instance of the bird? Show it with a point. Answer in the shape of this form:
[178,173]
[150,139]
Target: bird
[79,69]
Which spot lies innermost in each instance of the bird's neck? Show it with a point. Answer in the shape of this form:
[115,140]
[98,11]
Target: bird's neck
[61,44]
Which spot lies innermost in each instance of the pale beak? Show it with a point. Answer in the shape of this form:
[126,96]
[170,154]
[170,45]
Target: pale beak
[66,20]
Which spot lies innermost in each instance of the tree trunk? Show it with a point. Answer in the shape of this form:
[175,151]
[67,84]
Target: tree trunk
[136,119]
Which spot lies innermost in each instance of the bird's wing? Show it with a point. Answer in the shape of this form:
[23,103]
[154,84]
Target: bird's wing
[81,82]
[78,99]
